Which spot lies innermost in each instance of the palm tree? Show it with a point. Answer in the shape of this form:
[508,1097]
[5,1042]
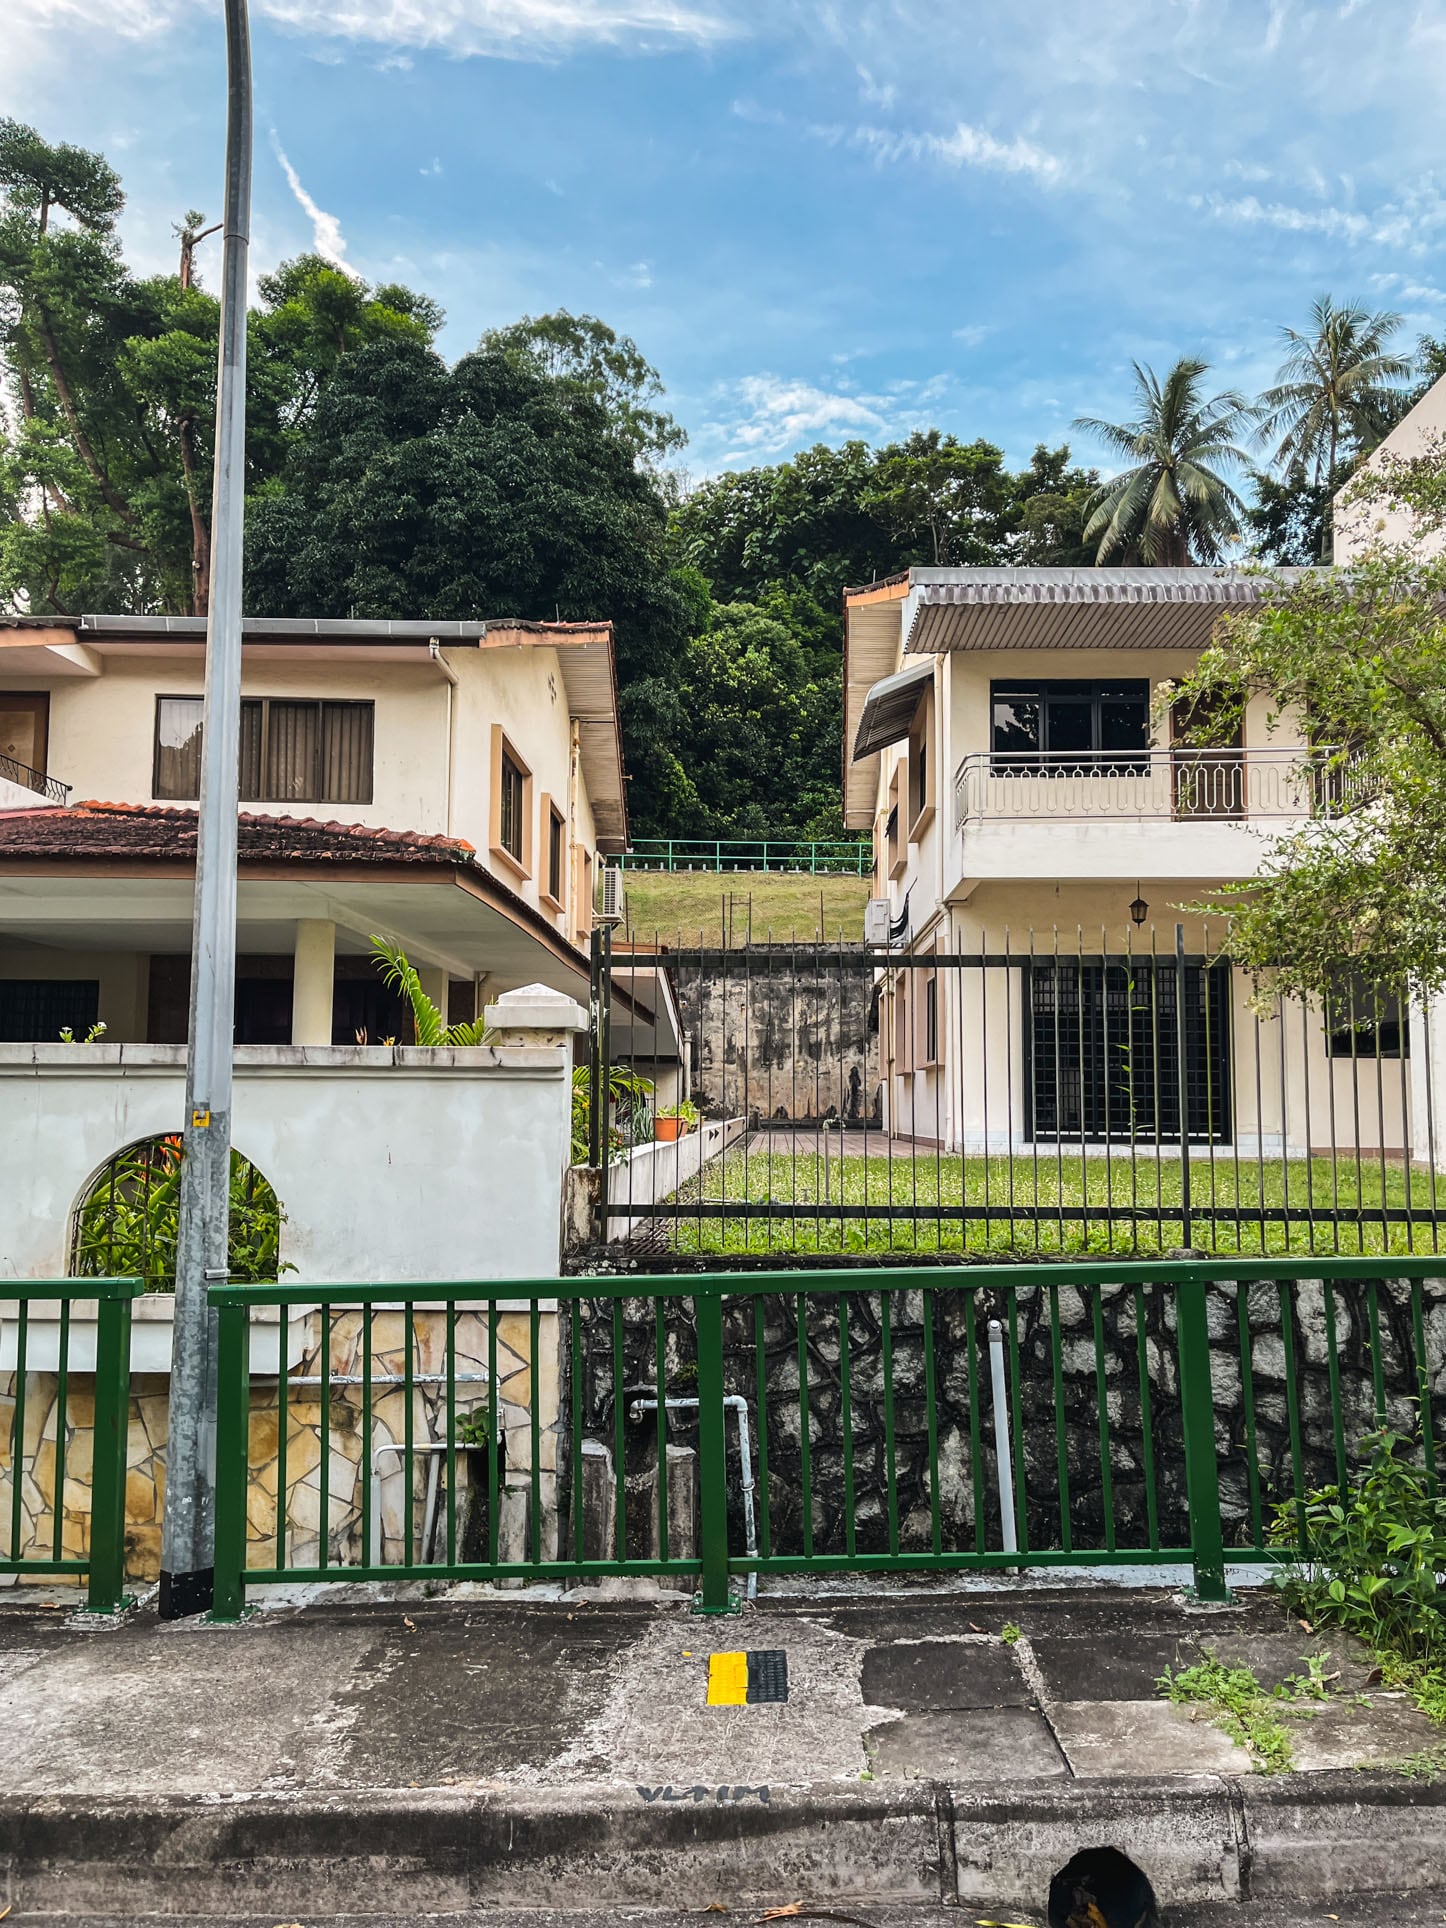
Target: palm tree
[1335,392]
[1173,507]
[1335,389]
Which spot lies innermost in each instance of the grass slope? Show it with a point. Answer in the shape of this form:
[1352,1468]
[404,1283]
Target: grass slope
[701,905]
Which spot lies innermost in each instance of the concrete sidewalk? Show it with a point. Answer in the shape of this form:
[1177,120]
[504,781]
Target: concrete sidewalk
[431,1753]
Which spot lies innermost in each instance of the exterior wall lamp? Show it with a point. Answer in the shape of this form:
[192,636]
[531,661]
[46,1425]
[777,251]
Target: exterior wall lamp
[1139,909]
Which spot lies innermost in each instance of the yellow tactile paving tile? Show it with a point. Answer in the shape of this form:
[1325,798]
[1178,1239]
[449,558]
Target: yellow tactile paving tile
[727,1680]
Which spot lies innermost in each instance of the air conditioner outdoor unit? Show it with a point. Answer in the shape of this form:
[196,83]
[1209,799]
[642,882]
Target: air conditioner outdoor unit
[876,921]
[608,907]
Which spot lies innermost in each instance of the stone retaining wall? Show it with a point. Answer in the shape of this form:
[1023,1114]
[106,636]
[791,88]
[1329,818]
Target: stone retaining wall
[1058,1421]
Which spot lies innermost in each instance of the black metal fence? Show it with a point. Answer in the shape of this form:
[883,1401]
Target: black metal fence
[1037,1093]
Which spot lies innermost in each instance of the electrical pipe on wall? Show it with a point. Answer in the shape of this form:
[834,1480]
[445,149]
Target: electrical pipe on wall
[745,1467]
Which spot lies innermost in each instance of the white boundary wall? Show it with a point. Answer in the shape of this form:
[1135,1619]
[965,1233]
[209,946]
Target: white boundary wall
[391,1163]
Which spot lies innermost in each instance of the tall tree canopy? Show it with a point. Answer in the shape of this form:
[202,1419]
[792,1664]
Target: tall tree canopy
[1175,505]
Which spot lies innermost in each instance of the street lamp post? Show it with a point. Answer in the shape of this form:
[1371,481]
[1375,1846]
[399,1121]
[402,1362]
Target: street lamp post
[187,1538]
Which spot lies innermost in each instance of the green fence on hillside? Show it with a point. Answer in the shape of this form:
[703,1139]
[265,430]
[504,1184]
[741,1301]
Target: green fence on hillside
[65,1387]
[816,857]
[913,1419]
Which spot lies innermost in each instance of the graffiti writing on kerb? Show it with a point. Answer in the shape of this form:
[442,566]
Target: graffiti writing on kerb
[720,1796]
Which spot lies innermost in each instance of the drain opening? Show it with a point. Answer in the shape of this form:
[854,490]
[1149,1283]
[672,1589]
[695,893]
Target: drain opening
[1102,1888]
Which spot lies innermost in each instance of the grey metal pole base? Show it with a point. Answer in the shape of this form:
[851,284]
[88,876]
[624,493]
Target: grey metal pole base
[184,1594]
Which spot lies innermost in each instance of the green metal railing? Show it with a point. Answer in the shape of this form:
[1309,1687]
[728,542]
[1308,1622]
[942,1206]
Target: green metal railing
[44,1423]
[819,857]
[1111,1414]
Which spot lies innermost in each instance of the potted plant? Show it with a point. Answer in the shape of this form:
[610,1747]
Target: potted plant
[675,1121]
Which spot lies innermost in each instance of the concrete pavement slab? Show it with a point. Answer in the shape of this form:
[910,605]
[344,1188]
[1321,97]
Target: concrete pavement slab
[1107,1738]
[971,1670]
[964,1745]
[1389,1729]
[1126,1666]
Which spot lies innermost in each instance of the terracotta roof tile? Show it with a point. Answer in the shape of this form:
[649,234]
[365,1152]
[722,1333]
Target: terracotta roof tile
[92,829]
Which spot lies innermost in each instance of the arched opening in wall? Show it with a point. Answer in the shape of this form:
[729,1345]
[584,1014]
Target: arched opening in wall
[126,1221]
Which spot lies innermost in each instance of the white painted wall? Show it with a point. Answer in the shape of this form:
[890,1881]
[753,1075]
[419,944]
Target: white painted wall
[648,1174]
[391,1164]
[1359,525]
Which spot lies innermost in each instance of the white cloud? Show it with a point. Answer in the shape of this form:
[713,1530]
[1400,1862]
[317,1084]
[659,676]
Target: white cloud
[966,146]
[519,29]
[770,416]
[1409,225]
[326,235]
[875,94]
[973,334]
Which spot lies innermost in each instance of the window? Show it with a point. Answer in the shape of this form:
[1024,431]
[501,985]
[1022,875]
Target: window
[1365,1021]
[931,1019]
[35,1010]
[292,750]
[514,789]
[556,849]
[1063,726]
[511,831]
[24,727]
[920,797]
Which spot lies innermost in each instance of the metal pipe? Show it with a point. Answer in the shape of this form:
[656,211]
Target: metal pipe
[1004,1457]
[429,1516]
[434,650]
[745,1468]
[188,1533]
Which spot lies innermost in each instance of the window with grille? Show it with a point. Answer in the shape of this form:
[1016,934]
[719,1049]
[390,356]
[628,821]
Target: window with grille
[1364,1020]
[293,750]
[37,1010]
[931,1019]
[1103,1040]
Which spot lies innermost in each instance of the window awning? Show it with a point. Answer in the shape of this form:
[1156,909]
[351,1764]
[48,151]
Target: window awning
[889,707]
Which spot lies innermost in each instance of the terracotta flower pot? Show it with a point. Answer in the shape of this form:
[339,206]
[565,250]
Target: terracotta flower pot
[667,1129]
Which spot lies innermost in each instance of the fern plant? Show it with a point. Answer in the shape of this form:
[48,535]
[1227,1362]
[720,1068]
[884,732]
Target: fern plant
[430,1028]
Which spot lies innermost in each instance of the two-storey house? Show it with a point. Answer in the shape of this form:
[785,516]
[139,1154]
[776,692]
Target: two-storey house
[452,786]
[1038,825]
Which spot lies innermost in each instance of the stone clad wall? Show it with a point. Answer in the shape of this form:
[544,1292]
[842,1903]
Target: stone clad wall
[1054,1421]
[146,1445]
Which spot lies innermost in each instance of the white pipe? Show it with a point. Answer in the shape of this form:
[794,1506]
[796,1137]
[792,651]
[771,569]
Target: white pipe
[434,650]
[1004,1458]
[429,1517]
[745,1468]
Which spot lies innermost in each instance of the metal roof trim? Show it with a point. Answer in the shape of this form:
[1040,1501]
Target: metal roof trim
[889,708]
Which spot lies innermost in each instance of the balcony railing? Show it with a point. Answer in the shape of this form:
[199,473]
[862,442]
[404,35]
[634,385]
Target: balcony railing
[36,780]
[1214,785]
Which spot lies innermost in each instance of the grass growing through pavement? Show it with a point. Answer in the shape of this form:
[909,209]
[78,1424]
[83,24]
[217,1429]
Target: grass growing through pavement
[1244,1710]
[1021,1192]
[691,907]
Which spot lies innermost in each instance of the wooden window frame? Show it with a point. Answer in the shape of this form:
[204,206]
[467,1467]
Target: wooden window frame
[921,773]
[897,844]
[552,820]
[503,746]
[39,702]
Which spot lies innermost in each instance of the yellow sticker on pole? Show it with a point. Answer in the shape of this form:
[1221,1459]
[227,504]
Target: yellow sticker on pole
[727,1680]
[200,1120]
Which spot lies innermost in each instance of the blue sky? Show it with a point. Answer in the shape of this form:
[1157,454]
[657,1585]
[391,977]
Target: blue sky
[818,220]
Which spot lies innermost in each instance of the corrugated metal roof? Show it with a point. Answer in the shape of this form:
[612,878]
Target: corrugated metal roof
[889,708]
[1076,608]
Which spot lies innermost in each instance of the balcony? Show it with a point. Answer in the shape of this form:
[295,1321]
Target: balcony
[1194,813]
[22,777]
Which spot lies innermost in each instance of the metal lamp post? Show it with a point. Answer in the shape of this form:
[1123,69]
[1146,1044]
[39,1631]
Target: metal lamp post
[187,1539]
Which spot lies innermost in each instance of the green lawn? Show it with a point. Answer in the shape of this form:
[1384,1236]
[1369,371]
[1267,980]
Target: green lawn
[1031,1189]
[695,907]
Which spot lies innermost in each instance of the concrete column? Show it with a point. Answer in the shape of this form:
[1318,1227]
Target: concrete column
[311,986]
[434,983]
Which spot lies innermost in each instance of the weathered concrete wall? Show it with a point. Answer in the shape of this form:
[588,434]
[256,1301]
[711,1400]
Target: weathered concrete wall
[782,1032]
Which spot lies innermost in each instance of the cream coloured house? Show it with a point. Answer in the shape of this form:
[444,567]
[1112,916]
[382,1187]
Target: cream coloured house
[450,785]
[1008,740]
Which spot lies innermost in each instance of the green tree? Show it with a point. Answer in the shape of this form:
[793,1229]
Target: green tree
[1050,508]
[1359,657]
[583,352]
[1173,506]
[943,501]
[1286,523]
